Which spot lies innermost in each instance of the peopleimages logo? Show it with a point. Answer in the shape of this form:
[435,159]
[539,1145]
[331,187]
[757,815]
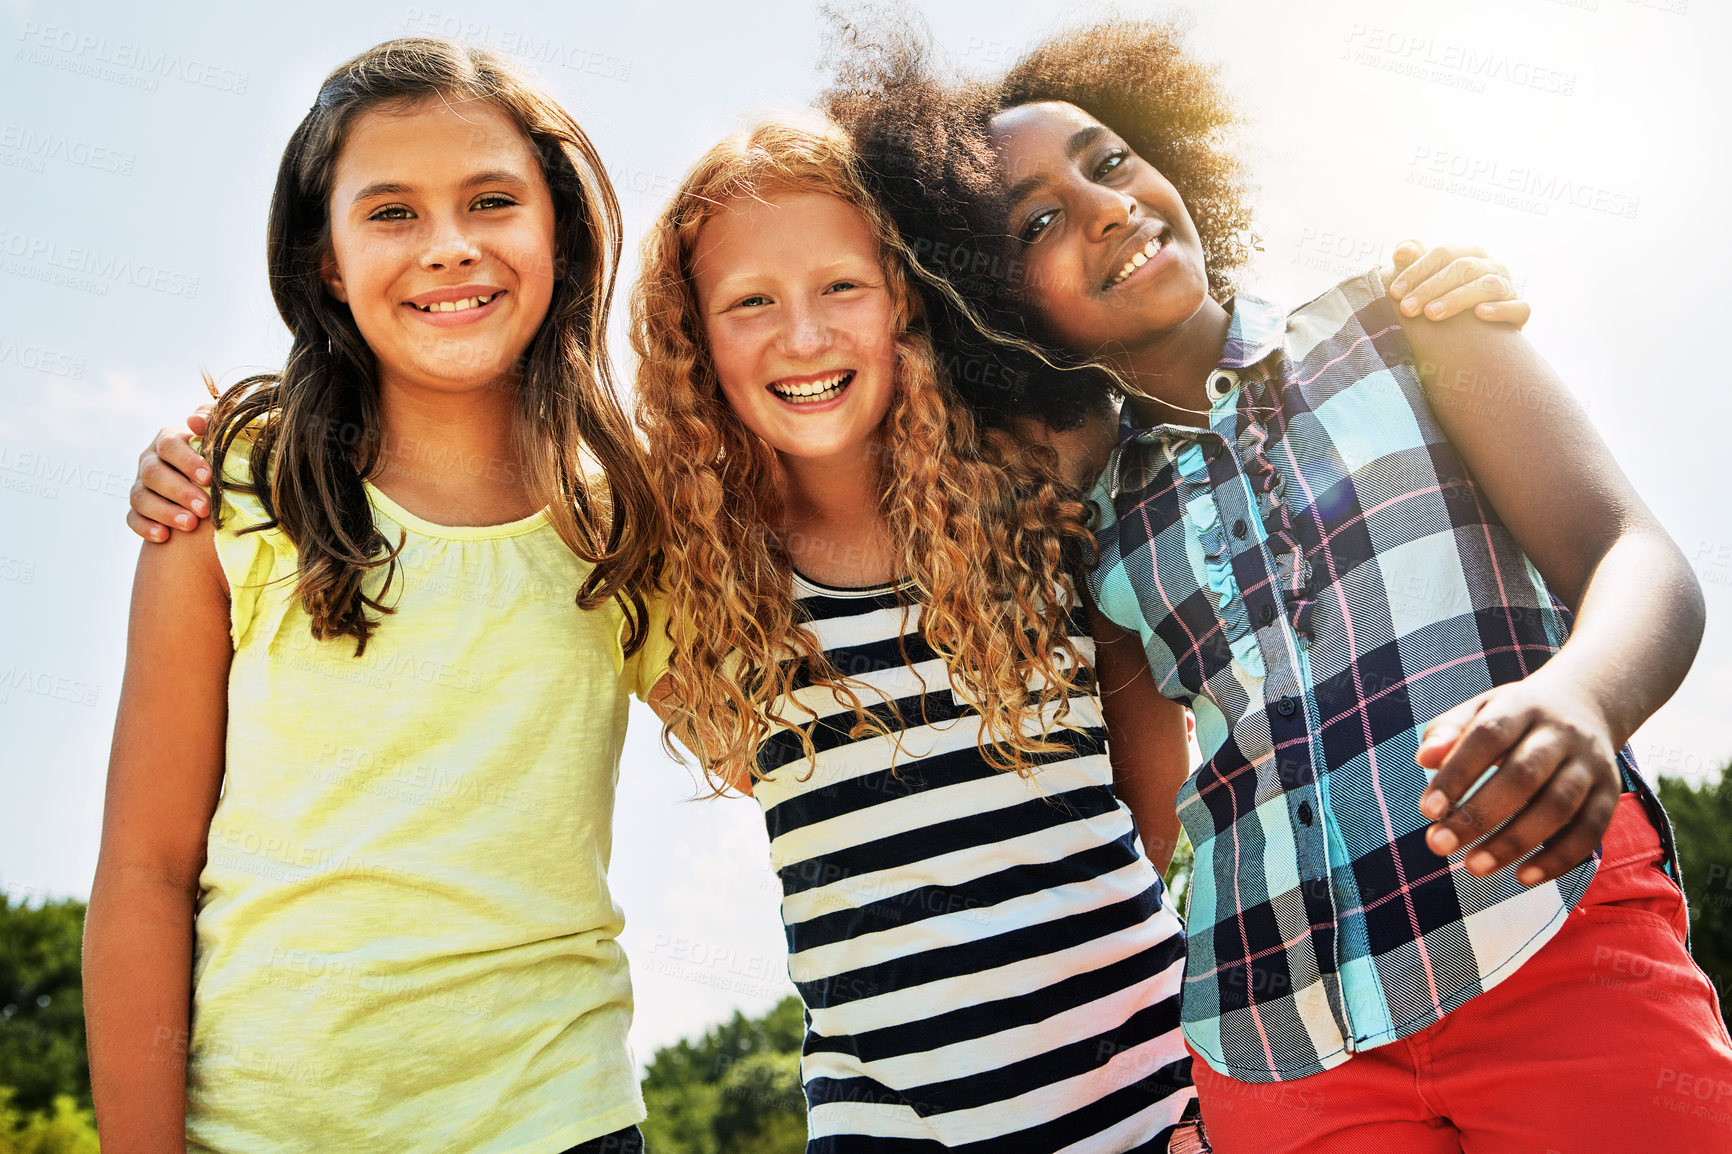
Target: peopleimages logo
[41,474]
[88,54]
[37,147]
[88,269]
[41,359]
[1456,65]
[523,44]
[43,683]
[1522,186]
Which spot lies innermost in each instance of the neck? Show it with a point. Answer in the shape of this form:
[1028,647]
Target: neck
[449,455]
[1170,367]
[835,530]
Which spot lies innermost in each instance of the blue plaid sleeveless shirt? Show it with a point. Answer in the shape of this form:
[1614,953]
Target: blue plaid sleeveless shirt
[1316,576]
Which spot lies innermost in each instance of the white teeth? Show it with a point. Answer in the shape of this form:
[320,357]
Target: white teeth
[1138,259]
[819,390]
[457,306]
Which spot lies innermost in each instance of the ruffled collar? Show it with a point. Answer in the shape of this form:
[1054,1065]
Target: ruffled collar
[1256,328]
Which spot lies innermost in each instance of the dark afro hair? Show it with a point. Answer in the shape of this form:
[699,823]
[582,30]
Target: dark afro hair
[923,136]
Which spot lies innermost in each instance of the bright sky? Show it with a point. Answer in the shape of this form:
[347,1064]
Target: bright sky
[1581,141]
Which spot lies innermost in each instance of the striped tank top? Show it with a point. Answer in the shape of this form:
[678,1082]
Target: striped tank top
[986,960]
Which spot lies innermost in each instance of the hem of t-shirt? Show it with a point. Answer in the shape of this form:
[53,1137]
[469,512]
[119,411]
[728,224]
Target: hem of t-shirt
[587,1130]
[1490,981]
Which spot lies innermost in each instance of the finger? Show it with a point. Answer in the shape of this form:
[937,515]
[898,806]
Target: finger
[177,453]
[1514,313]
[1461,271]
[154,510]
[1550,808]
[156,441]
[199,420]
[1493,732]
[1445,730]
[1490,287]
[145,528]
[173,489]
[1426,267]
[1570,846]
[1406,252]
[1521,773]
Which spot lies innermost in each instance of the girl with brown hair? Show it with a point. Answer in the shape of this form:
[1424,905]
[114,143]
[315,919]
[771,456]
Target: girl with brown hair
[360,902]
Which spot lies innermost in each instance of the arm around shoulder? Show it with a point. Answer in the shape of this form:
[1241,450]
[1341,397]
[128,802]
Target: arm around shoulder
[1146,738]
[1553,736]
[164,777]
[1539,461]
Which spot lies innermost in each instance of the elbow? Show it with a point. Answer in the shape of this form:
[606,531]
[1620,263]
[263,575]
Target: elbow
[1694,610]
[123,883]
[1686,606]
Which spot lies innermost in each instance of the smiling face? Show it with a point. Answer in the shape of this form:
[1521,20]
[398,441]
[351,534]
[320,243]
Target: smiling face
[442,242]
[1113,258]
[800,321]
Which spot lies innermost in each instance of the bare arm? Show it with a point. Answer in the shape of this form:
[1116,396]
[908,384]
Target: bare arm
[661,700]
[163,782]
[1145,738]
[1638,607]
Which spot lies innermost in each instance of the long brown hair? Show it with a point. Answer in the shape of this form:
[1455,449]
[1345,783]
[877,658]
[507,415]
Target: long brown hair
[983,536]
[316,424]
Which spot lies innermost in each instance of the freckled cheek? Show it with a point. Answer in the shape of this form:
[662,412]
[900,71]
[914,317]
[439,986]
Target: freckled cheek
[874,338]
[733,358]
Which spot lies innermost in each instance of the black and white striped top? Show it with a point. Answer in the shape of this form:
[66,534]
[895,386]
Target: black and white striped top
[987,961]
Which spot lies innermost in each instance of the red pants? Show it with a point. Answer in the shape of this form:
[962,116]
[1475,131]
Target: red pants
[1607,1039]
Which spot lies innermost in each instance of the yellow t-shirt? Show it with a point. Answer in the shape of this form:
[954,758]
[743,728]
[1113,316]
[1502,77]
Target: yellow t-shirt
[405,939]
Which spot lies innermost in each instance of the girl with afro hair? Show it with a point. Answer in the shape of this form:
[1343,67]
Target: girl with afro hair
[1389,567]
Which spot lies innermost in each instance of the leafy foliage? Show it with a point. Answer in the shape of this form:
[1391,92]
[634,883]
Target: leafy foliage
[1702,819]
[736,1090]
[65,1128]
[1178,875]
[42,1054]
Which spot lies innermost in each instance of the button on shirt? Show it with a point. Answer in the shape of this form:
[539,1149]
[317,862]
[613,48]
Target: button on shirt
[1374,590]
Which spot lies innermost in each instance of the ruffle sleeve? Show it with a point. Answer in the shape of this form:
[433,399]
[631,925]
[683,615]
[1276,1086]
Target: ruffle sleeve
[259,564]
[644,668]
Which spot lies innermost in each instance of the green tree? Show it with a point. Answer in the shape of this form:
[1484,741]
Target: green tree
[736,1090]
[42,1054]
[762,1106]
[66,1128]
[1178,875]
[1702,819]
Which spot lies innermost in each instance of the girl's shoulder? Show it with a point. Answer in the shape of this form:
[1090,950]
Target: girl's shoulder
[1342,316]
[257,558]
[240,501]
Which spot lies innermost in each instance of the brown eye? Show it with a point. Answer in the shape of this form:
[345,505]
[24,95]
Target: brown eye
[1036,225]
[1111,163]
